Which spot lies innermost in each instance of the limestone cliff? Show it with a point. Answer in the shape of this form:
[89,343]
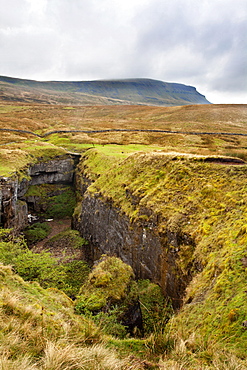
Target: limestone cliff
[110,232]
[152,254]
[13,203]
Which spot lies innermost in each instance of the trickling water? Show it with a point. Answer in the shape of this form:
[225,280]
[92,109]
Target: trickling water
[1,196]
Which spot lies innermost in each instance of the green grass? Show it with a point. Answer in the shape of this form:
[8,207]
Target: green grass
[11,108]
[12,160]
[53,200]
[15,158]
[206,201]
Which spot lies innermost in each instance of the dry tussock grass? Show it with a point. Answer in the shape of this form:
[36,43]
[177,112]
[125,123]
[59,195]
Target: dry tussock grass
[21,363]
[29,338]
[58,356]
[212,118]
[196,354]
[61,356]
[42,117]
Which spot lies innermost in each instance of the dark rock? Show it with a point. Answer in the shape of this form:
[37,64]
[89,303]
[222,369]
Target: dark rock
[54,171]
[244,324]
[110,232]
[13,212]
[132,318]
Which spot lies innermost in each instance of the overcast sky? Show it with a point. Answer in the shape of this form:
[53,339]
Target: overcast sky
[202,43]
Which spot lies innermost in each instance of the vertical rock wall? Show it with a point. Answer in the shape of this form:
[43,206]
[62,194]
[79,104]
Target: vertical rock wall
[151,255]
[13,211]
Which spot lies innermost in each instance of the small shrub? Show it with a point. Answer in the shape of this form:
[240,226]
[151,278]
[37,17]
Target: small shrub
[156,309]
[76,273]
[42,267]
[52,200]
[37,232]
[110,325]
[62,205]
[110,297]
[69,237]
[87,304]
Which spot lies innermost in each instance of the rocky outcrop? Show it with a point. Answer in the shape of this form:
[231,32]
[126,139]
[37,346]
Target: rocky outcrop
[13,211]
[13,205]
[55,171]
[152,255]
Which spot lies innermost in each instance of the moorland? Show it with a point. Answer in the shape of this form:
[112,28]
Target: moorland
[186,186]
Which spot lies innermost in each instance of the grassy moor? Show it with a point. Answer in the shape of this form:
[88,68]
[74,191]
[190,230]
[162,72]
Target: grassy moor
[174,179]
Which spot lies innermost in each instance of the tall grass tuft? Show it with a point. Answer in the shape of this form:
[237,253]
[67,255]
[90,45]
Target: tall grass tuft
[21,363]
[59,356]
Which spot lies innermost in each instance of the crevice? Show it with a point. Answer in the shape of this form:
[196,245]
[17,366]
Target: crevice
[152,255]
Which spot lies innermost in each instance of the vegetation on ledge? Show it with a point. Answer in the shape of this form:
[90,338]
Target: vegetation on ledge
[206,201]
[15,158]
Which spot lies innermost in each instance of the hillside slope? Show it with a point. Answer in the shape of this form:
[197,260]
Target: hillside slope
[39,330]
[191,217]
[102,92]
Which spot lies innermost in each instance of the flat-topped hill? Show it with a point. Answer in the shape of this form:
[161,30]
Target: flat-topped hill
[139,91]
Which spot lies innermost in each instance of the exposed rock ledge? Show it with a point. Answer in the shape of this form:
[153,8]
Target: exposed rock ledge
[13,208]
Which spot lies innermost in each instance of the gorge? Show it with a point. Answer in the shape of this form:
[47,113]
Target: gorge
[108,230]
[155,227]
[177,219]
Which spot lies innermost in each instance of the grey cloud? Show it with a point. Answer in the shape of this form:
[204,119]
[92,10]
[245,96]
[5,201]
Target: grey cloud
[13,13]
[206,40]
[201,43]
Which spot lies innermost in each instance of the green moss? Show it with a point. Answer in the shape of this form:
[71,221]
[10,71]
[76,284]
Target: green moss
[37,232]
[108,282]
[107,294]
[69,237]
[53,200]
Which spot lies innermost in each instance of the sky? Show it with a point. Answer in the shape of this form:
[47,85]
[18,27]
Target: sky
[202,43]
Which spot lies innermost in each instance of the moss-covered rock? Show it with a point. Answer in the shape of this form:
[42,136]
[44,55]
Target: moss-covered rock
[110,294]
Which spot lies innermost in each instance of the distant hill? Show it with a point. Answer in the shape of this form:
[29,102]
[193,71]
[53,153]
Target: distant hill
[139,91]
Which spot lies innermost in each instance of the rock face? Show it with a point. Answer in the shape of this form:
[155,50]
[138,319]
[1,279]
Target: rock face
[151,255]
[13,211]
[13,207]
[56,171]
